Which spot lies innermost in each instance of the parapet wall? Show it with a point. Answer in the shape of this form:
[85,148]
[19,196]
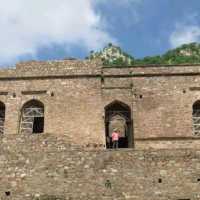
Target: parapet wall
[152,70]
[52,68]
[87,67]
[45,168]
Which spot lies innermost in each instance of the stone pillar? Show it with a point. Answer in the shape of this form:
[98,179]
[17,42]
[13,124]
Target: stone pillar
[12,115]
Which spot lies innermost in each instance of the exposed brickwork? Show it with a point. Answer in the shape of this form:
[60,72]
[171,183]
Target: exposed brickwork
[69,161]
[160,99]
[45,167]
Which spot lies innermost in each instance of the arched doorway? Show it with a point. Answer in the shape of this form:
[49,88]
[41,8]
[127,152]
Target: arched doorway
[2,117]
[196,118]
[118,116]
[32,117]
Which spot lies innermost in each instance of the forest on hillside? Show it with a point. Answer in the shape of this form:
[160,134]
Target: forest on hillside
[115,56]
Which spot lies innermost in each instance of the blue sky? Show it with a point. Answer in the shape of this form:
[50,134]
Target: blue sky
[51,29]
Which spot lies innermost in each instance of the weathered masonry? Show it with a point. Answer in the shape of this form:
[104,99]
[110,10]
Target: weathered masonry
[82,101]
[41,167]
[56,119]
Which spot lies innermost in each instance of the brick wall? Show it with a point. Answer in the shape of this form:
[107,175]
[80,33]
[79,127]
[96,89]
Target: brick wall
[47,167]
[160,99]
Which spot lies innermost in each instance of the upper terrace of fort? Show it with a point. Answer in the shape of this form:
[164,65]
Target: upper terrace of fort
[92,68]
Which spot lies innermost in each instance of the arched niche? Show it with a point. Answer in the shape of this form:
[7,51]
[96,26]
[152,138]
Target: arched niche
[196,118]
[118,116]
[32,117]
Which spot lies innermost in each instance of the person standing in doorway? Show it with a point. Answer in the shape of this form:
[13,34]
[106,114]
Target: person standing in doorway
[115,139]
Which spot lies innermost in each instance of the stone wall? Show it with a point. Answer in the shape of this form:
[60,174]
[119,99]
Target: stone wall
[161,99]
[75,94]
[73,110]
[69,160]
[46,167]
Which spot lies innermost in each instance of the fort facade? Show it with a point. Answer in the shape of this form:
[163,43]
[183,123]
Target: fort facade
[56,120]
[154,106]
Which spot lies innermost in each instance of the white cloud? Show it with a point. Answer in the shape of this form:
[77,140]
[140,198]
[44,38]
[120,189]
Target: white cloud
[184,34]
[27,25]
[119,2]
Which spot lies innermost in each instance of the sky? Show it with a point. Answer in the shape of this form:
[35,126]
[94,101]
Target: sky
[53,30]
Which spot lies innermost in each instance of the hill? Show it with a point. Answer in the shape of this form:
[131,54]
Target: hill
[114,56]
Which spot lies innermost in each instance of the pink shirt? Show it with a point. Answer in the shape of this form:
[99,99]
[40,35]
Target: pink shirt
[115,136]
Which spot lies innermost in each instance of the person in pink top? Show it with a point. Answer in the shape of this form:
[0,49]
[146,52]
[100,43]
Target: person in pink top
[115,139]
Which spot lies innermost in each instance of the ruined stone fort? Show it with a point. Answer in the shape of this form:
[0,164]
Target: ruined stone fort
[56,120]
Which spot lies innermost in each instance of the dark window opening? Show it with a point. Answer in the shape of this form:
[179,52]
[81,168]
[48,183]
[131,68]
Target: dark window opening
[32,117]
[159,180]
[2,117]
[196,118]
[7,193]
[38,125]
[118,117]
[108,184]
[102,80]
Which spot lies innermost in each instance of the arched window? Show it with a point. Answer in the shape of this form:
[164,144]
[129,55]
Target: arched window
[32,117]
[196,118]
[2,116]
[118,117]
